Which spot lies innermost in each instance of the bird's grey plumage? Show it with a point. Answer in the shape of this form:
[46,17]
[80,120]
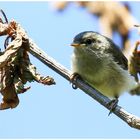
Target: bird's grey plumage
[101,63]
[117,54]
[114,49]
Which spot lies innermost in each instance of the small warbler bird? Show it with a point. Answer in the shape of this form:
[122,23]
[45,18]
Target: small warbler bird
[101,64]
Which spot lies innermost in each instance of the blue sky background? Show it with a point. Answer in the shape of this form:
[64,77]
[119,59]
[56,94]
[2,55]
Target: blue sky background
[59,111]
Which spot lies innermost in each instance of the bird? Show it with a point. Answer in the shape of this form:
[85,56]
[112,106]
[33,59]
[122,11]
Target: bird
[100,62]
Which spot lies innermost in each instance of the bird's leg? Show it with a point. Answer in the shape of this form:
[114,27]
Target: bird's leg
[73,78]
[112,104]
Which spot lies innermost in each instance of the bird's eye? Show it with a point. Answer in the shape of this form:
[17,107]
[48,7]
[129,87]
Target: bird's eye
[88,41]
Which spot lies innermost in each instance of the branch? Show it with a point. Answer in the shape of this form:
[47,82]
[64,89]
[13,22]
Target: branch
[130,119]
[12,27]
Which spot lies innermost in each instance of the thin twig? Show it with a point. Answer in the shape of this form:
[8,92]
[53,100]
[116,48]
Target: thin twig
[130,119]
[6,20]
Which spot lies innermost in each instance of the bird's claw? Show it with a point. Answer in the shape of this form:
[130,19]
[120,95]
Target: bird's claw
[112,105]
[73,78]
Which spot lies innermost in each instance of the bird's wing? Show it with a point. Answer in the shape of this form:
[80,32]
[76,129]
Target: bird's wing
[119,56]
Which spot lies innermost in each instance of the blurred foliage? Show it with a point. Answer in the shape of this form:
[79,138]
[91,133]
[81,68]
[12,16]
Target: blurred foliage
[113,17]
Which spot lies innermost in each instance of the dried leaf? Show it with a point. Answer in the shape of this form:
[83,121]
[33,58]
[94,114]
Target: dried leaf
[134,62]
[134,67]
[15,66]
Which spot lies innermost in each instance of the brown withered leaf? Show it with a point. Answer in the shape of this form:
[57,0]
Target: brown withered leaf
[15,66]
[134,62]
[134,67]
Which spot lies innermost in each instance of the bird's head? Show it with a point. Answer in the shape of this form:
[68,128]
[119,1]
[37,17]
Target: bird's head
[90,40]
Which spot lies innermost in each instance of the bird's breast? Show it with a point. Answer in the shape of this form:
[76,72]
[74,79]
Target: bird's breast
[89,67]
[103,74]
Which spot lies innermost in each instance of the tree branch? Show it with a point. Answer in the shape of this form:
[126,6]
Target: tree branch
[130,119]
[12,27]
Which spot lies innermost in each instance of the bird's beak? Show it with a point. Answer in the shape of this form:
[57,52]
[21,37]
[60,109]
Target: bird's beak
[75,45]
